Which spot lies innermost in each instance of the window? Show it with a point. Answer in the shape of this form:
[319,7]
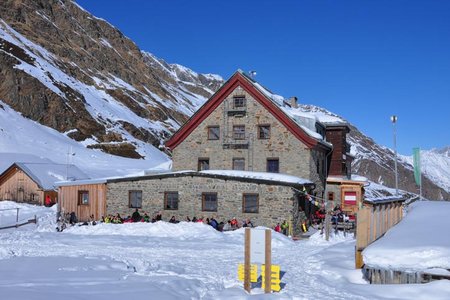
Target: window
[213,133]
[135,199]
[83,198]
[239,132]
[250,203]
[273,165]
[239,102]
[318,166]
[239,164]
[264,132]
[171,200]
[209,202]
[330,196]
[203,164]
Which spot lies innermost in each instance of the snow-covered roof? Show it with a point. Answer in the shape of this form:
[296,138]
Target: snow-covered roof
[259,175]
[46,174]
[262,177]
[305,119]
[385,199]
[353,177]
[417,243]
[79,182]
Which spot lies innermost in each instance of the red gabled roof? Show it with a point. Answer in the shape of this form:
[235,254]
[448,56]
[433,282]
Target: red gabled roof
[238,79]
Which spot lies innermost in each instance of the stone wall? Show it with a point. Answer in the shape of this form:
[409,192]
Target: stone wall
[276,203]
[294,157]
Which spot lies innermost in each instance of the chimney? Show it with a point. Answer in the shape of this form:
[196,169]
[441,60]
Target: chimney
[293,101]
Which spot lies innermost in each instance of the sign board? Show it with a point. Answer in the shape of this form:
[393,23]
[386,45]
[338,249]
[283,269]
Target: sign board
[253,272]
[258,246]
[274,278]
[350,198]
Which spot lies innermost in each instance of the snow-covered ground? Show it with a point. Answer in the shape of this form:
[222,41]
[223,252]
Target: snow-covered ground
[172,261]
[419,242]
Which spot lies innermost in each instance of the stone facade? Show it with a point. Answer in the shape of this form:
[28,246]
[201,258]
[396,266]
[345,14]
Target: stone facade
[276,202]
[295,158]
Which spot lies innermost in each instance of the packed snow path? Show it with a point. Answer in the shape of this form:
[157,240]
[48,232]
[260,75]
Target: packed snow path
[176,261]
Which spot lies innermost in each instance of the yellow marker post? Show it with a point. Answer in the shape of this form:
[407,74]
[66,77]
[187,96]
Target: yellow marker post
[274,277]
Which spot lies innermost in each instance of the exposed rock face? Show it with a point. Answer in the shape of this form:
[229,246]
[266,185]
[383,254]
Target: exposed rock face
[58,62]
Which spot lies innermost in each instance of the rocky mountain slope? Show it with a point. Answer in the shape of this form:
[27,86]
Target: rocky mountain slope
[66,69]
[376,163]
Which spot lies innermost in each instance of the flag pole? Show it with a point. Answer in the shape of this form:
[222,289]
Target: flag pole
[420,174]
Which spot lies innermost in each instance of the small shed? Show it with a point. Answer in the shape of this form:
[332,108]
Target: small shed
[35,182]
[346,192]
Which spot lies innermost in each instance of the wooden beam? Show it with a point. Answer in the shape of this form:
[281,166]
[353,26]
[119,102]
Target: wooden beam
[268,262]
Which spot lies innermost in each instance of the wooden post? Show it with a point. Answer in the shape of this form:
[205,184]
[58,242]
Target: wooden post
[268,262]
[247,285]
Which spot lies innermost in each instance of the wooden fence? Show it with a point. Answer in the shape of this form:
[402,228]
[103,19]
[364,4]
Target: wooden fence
[373,220]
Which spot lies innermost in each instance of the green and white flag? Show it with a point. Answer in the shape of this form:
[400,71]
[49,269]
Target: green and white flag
[416,163]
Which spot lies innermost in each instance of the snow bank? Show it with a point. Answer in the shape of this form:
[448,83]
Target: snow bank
[161,229]
[420,241]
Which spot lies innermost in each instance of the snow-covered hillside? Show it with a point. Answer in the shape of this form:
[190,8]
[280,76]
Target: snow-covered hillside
[435,164]
[20,136]
[173,261]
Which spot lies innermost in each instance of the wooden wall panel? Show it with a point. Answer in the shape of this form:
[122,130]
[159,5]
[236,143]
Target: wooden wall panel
[68,196]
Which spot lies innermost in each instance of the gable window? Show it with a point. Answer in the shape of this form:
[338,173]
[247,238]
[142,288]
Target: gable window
[264,132]
[239,164]
[135,199]
[273,165]
[250,203]
[213,132]
[239,132]
[239,102]
[203,164]
[209,202]
[83,198]
[170,200]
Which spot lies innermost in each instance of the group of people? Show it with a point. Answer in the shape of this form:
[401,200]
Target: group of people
[282,228]
[134,218]
[231,224]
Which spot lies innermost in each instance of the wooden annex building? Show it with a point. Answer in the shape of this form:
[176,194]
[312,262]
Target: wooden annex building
[35,182]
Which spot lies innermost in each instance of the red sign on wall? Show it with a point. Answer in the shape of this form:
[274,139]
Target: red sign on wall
[350,198]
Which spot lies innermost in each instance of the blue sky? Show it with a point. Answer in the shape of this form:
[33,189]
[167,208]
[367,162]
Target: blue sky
[364,60]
